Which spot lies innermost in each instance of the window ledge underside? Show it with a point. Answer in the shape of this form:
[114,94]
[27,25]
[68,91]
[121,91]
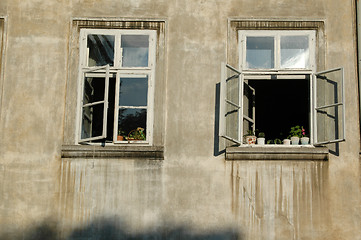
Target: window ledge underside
[121,152]
[277,153]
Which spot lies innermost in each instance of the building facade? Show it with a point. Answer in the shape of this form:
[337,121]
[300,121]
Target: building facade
[127,119]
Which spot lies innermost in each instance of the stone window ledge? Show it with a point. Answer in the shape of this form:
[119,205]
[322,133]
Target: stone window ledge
[277,153]
[122,152]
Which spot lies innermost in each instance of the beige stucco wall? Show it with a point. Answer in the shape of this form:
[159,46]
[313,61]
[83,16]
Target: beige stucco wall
[191,191]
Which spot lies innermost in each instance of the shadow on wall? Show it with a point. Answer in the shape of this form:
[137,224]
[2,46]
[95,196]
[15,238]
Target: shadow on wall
[104,229]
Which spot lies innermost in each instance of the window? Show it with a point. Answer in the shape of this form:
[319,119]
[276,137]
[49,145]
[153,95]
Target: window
[276,87]
[115,97]
[117,75]
[277,49]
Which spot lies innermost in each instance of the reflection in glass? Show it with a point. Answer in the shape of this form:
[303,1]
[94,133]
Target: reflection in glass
[92,121]
[260,52]
[131,119]
[294,52]
[135,50]
[101,50]
[93,90]
[133,91]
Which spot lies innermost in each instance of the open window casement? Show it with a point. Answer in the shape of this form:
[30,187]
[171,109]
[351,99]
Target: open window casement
[237,110]
[249,110]
[94,104]
[329,106]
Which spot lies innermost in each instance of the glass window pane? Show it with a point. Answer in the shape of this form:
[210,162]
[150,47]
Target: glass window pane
[92,121]
[330,124]
[248,101]
[135,50]
[93,90]
[231,111]
[294,52]
[130,120]
[133,91]
[232,83]
[329,88]
[232,121]
[101,50]
[330,119]
[260,52]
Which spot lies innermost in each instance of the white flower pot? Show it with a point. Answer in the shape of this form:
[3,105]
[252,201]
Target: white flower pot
[260,141]
[305,140]
[286,142]
[295,140]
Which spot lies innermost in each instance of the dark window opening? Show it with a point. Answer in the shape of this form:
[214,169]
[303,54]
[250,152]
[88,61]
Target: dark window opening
[280,105]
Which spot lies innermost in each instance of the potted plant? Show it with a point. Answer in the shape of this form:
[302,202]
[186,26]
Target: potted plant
[136,135]
[261,138]
[295,134]
[120,136]
[250,137]
[304,139]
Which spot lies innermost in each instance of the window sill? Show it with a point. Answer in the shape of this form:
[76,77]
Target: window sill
[123,152]
[256,152]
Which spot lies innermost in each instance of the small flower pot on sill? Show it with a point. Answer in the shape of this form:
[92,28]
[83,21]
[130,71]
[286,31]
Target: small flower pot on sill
[286,142]
[295,140]
[251,140]
[120,138]
[305,140]
[261,141]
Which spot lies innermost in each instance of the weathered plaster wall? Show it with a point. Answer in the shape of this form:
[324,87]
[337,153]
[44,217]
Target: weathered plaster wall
[192,193]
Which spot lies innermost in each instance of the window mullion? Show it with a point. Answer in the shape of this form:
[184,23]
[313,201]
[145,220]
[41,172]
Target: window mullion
[277,46]
[106,102]
[240,110]
[117,51]
[83,49]
[116,106]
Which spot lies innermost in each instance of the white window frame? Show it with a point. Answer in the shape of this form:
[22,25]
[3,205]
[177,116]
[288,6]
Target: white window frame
[277,34]
[289,73]
[224,101]
[118,70]
[314,105]
[104,102]
[339,103]
[245,74]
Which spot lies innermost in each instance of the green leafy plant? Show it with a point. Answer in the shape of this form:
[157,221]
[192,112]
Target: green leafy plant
[270,142]
[136,134]
[296,131]
[121,132]
[261,135]
[277,141]
[250,132]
